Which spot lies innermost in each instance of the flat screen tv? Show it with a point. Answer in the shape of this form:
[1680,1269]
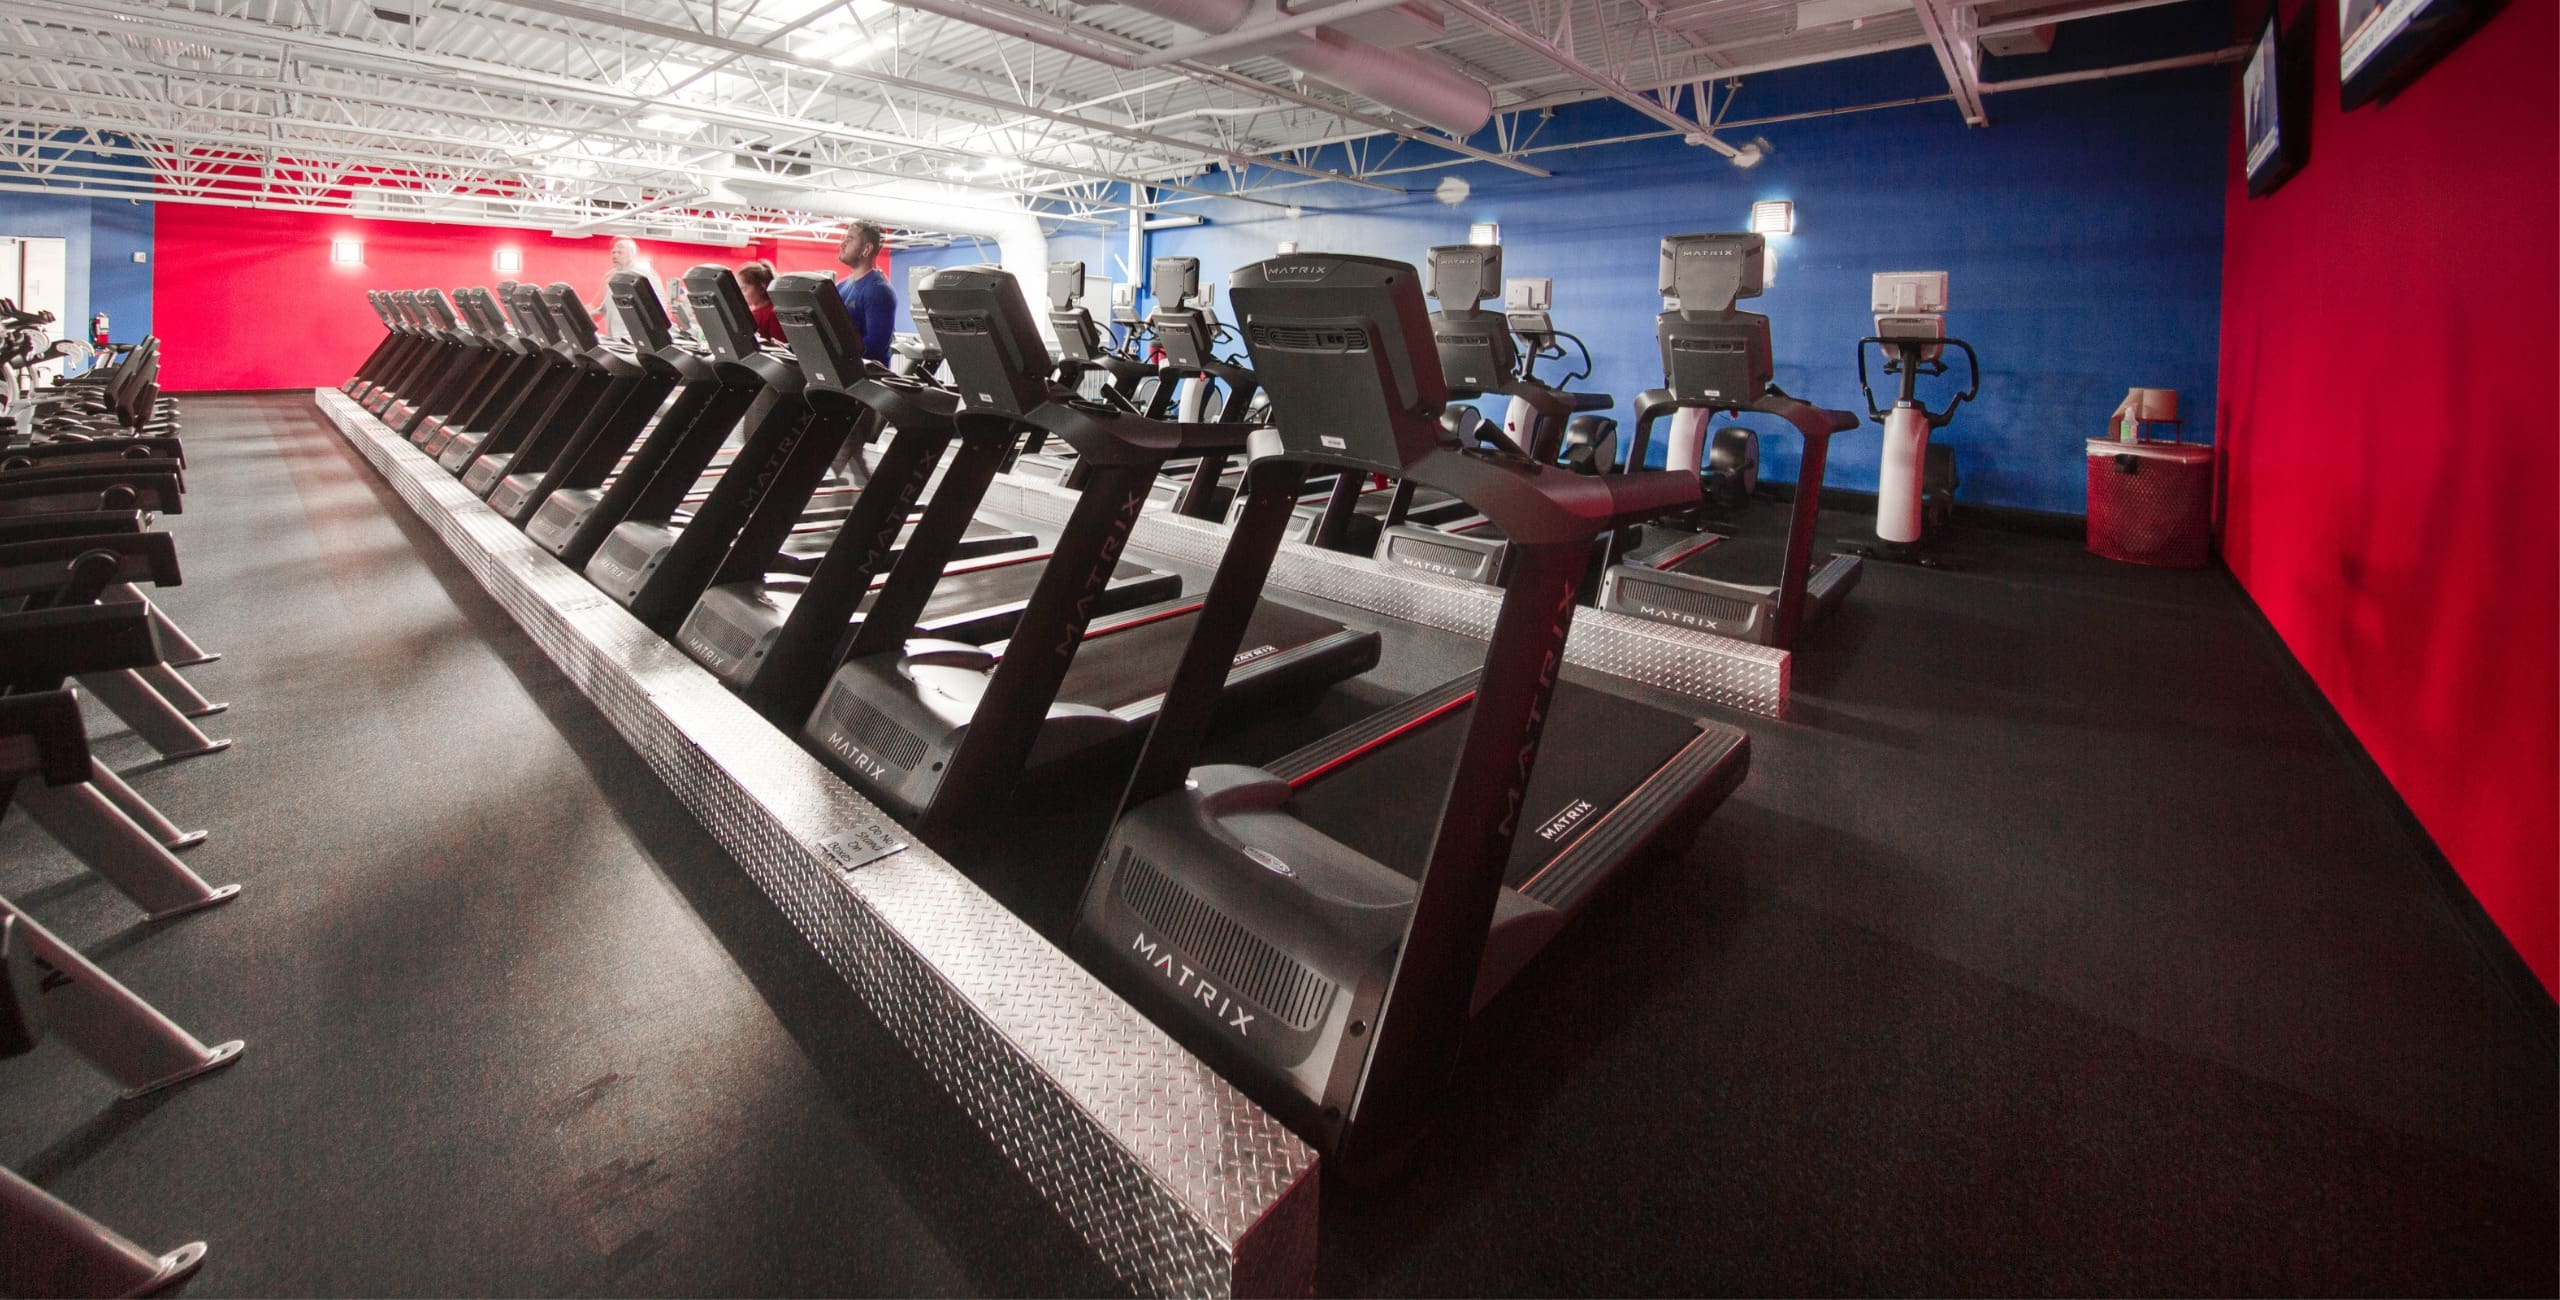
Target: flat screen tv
[2384,44]
[2274,129]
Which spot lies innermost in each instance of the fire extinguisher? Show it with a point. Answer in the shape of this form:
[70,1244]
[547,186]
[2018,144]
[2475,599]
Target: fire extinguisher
[98,331]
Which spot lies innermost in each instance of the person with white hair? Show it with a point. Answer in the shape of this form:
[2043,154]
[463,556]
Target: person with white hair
[628,257]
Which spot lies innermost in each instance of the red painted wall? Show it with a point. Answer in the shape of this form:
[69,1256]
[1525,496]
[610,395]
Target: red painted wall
[248,299]
[2387,407]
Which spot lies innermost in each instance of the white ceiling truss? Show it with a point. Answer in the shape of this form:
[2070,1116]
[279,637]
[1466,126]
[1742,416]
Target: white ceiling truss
[636,115]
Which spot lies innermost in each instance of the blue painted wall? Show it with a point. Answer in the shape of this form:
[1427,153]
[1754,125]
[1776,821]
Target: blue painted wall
[101,235]
[2082,231]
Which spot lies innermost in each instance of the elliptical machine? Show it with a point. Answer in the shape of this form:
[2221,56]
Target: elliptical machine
[1916,481]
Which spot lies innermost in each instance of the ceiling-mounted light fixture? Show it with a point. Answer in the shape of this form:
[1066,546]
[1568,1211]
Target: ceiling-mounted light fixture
[673,123]
[1750,155]
[1773,217]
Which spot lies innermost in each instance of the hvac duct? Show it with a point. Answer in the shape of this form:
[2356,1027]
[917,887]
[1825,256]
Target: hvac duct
[1219,16]
[1414,84]
[1407,81]
[1020,246]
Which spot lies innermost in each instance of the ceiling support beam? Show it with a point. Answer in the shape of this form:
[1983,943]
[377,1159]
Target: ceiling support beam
[1088,43]
[667,31]
[1950,29]
[2231,54]
[1695,132]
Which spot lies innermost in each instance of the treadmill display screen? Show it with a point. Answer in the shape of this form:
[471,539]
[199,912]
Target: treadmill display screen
[997,359]
[1066,284]
[577,329]
[1343,346]
[822,333]
[721,311]
[644,318]
[1176,281]
[1709,273]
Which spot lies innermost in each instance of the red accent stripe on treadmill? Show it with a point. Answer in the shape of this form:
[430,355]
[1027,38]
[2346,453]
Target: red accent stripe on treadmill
[1300,783]
[1669,558]
[1187,607]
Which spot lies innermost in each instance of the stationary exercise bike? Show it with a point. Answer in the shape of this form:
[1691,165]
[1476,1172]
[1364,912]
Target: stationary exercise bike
[1916,482]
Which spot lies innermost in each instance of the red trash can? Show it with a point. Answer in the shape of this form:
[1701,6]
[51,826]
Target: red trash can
[2151,502]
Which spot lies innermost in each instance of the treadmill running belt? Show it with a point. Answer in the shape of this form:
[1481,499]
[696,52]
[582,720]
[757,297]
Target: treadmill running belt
[1597,747]
[1123,668]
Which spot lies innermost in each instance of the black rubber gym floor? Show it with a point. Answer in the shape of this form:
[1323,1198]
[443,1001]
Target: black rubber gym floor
[2054,945]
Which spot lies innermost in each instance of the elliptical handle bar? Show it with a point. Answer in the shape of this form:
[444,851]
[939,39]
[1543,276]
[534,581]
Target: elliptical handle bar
[1937,419]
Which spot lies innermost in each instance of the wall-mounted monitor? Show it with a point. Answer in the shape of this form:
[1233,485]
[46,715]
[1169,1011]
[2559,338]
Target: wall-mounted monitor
[2273,126]
[2383,45]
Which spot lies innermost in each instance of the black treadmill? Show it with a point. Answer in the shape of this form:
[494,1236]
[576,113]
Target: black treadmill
[500,370]
[934,728]
[603,378]
[658,561]
[386,355]
[553,366]
[1323,928]
[1478,360]
[415,340]
[774,636]
[599,486]
[608,377]
[638,394]
[1715,358]
[441,337]
[386,351]
[472,356]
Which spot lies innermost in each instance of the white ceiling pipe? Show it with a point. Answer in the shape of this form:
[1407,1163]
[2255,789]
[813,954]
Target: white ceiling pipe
[1207,15]
[1411,83]
[1020,246]
[1414,84]
[1244,37]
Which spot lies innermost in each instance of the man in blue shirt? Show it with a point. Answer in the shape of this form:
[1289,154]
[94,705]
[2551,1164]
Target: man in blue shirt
[867,296]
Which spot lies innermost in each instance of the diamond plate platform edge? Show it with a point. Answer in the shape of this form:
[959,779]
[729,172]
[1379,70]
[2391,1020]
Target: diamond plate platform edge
[1175,1182]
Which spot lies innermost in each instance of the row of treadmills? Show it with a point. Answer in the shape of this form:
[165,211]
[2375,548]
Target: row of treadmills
[1320,924]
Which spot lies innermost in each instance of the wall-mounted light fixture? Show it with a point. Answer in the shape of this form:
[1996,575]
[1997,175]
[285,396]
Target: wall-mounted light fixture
[346,252]
[510,261]
[1288,246]
[1773,217]
[1486,233]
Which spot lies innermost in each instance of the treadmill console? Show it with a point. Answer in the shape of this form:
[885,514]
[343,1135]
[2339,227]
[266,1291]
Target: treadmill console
[998,361]
[636,305]
[1079,339]
[577,328]
[1176,282]
[720,311]
[920,279]
[1459,276]
[822,333]
[1476,354]
[526,313]
[1321,327]
[1712,355]
[441,311]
